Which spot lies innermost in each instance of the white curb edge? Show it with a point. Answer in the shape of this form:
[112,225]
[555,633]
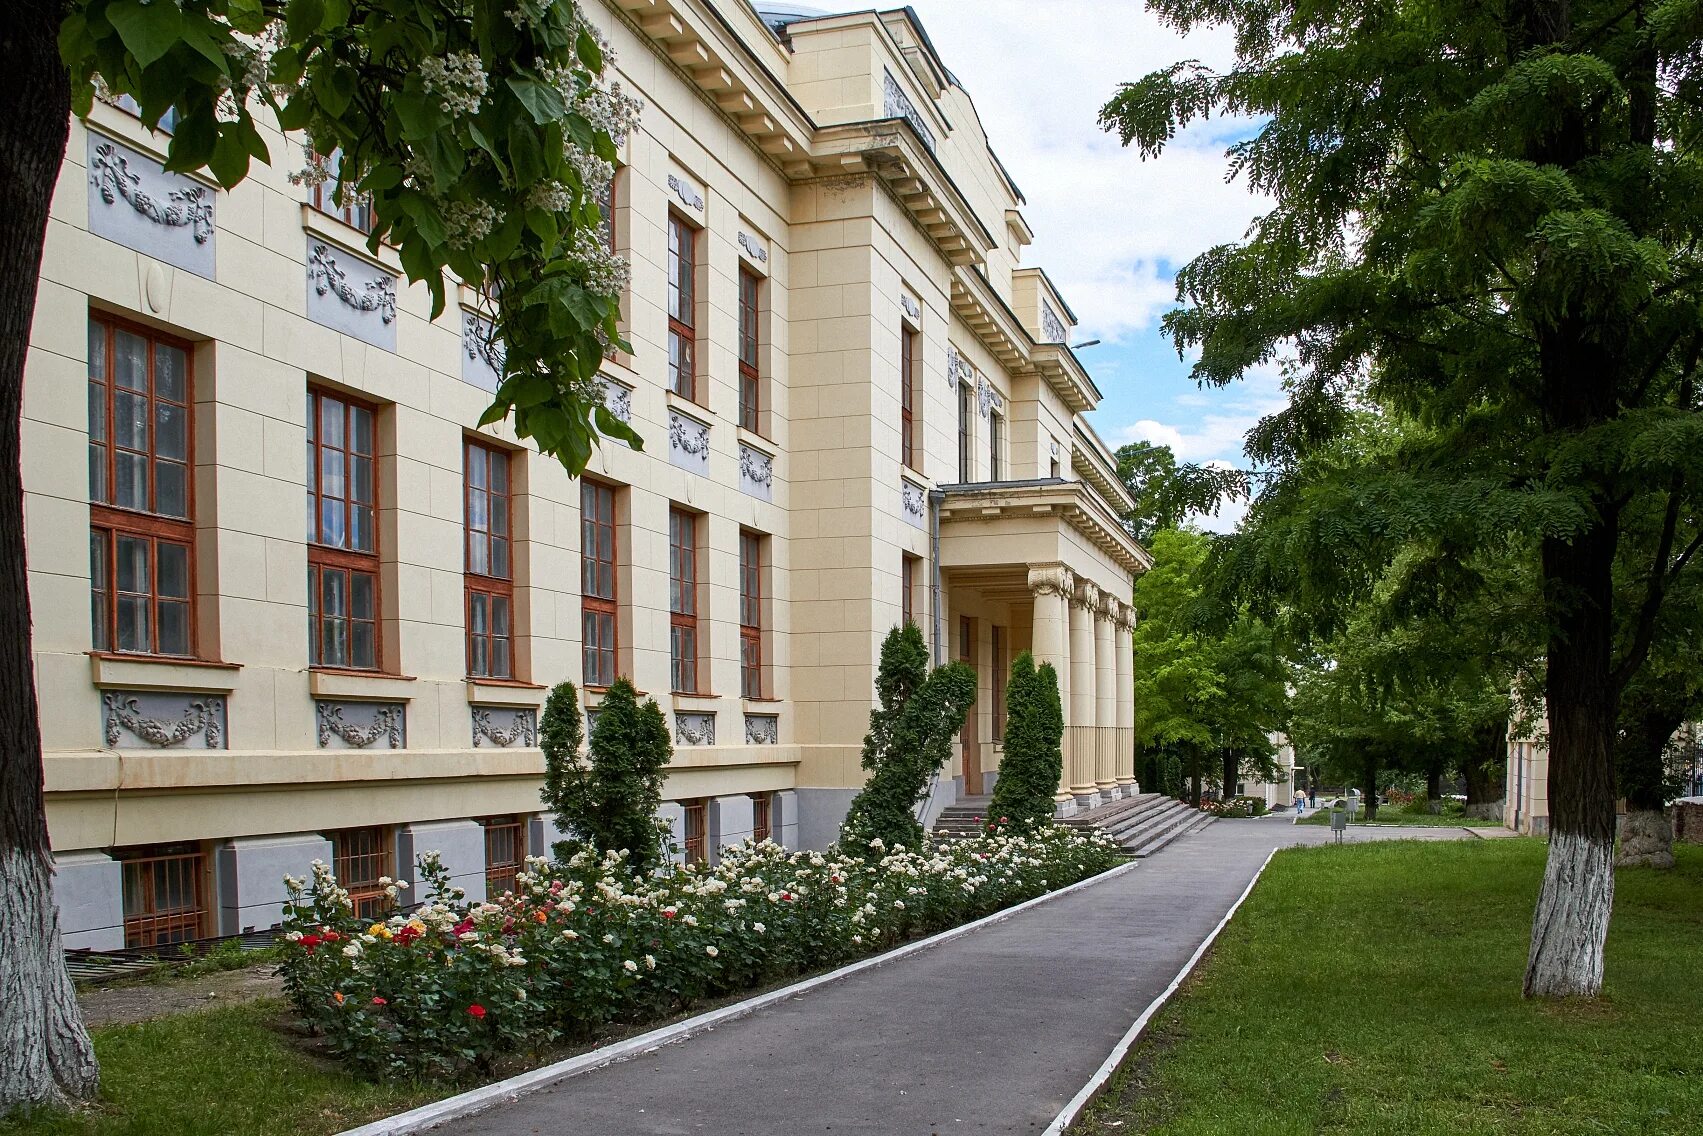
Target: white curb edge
[429,1116]
[1073,1111]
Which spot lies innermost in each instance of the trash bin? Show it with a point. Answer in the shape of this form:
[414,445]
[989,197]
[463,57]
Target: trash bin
[1338,819]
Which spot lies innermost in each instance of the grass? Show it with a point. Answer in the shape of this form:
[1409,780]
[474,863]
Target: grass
[1375,988]
[1395,814]
[230,1070]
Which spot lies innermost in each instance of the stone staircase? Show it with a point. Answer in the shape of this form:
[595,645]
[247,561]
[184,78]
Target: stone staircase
[1141,825]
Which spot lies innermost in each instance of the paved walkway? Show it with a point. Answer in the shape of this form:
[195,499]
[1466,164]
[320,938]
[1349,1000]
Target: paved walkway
[989,1033]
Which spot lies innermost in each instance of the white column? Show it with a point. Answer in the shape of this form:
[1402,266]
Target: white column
[1105,698]
[1124,629]
[1080,768]
[1049,639]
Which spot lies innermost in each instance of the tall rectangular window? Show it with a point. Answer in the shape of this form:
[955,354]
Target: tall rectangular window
[140,504]
[996,445]
[606,211]
[762,816]
[683,600]
[750,379]
[342,532]
[1000,676]
[908,397]
[165,895]
[908,587]
[682,342]
[750,615]
[597,582]
[697,830]
[362,860]
[505,853]
[490,568]
[356,209]
[966,411]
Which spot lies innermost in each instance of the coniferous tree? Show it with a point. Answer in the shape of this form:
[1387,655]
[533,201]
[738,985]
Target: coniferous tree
[910,738]
[1033,762]
[609,800]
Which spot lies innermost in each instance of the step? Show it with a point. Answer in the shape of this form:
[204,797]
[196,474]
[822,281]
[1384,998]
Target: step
[1133,819]
[1189,827]
[1156,827]
[1101,815]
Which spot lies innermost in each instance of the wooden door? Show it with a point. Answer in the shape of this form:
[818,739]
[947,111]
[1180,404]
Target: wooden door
[970,738]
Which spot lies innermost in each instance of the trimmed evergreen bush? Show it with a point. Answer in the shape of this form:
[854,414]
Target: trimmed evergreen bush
[609,800]
[910,737]
[1033,763]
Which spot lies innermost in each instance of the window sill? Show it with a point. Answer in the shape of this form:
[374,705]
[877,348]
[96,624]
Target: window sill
[161,672]
[499,692]
[758,441]
[762,703]
[915,478]
[349,238]
[361,686]
[694,410]
[689,702]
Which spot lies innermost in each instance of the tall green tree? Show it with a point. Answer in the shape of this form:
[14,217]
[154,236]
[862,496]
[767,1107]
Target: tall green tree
[1485,216]
[608,799]
[481,131]
[1033,762]
[1209,694]
[1167,493]
[918,713]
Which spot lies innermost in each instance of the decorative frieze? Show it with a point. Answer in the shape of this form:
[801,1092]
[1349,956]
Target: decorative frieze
[617,398]
[688,443]
[762,729]
[504,726]
[897,104]
[482,353]
[756,473]
[135,202]
[351,295]
[754,247]
[913,503]
[357,725]
[1052,328]
[987,399]
[694,729]
[958,369]
[686,192]
[161,719]
[912,309]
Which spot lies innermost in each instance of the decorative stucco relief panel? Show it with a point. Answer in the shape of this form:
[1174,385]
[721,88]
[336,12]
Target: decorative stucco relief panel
[135,202]
[351,295]
[897,104]
[481,352]
[504,726]
[161,719]
[360,725]
[688,444]
[694,729]
[762,729]
[913,503]
[756,473]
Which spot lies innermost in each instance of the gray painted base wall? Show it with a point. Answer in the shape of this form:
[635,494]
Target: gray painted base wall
[820,814]
[251,873]
[730,822]
[88,888]
[460,844]
[783,819]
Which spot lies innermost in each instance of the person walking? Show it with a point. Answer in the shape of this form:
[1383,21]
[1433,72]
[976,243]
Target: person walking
[1312,796]
[1300,802]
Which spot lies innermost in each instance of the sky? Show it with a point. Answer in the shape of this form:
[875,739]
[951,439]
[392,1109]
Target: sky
[1111,229]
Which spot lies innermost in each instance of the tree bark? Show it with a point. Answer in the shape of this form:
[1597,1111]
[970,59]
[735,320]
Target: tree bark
[45,1054]
[1434,789]
[1485,771]
[1369,788]
[1230,767]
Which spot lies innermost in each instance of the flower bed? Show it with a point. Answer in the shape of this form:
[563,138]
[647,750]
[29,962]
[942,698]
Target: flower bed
[1236,807]
[448,987]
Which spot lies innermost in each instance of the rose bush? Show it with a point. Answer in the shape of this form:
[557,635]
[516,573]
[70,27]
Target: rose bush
[448,987]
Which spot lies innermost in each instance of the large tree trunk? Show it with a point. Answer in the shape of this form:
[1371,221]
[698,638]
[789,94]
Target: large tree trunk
[1434,788]
[1231,765]
[1573,906]
[1369,788]
[45,1055]
[1647,722]
[1485,772]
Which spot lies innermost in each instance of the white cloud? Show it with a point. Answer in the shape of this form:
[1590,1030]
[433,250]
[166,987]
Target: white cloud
[1109,228]
[1215,437]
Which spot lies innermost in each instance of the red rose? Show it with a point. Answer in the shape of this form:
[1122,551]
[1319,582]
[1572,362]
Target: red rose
[668,914]
[332,936]
[377,1001]
[786,896]
[462,927]
[309,942]
[476,1011]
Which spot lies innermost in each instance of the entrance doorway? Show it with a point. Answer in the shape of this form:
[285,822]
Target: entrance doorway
[970,739]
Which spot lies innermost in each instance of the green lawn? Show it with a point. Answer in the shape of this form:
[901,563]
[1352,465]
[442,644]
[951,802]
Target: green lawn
[229,1071]
[1376,988]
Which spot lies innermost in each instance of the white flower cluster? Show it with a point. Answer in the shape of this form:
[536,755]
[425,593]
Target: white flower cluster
[457,79]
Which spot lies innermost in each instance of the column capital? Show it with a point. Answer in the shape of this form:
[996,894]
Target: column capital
[1051,579]
[1086,595]
[1125,616]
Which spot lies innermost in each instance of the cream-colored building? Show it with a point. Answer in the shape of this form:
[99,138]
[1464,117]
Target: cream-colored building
[289,604]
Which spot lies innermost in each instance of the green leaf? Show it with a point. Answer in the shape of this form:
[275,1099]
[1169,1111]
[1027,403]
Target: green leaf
[148,30]
[494,413]
[585,46]
[420,115]
[334,87]
[303,18]
[524,153]
[247,16]
[541,100]
[230,157]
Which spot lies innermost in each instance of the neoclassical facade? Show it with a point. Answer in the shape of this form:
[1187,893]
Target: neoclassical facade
[290,604]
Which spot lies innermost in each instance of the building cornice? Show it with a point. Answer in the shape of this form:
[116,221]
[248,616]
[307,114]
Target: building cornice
[1074,502]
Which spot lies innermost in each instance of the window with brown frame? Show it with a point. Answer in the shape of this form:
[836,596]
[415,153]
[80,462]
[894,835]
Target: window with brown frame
[165,895]
[682,342]
[606,209]
[996,446]
[966,456]
[363,859]
[750,379]
[598,557]
[505,853]
[490,567]
[356,210]
[1000,675]
[751,549]
[908,588]
[761,825]
[342,532]
[683,601]
[141,507]
[696,830]
[908,397]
